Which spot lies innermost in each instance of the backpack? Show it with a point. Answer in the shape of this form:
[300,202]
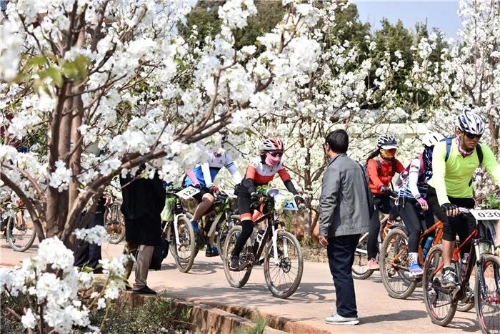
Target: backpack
[449,141]
[379,167]
[159,254]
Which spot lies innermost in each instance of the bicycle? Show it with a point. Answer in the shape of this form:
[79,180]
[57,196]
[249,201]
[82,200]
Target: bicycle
[114,223]
[360,268]
[441,303]
[19,230]
[270,244]
[219,219]
[177,228]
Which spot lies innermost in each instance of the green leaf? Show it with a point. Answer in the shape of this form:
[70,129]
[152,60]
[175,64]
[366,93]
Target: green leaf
[55,75]
[35,61]
[70,71]
[81,63]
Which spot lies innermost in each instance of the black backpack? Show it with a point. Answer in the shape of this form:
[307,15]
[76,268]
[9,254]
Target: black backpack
[159,254]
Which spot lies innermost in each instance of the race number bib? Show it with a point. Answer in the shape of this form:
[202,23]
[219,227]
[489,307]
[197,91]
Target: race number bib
[188,192]
[486,214]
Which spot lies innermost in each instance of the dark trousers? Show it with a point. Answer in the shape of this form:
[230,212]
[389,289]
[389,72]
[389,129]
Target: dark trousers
[340,252]
[412,218]
[87,254]
[382,204]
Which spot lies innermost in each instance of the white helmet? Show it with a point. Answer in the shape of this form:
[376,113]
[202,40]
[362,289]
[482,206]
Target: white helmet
[387,141]
[470,122]
[432,138]
[272,144]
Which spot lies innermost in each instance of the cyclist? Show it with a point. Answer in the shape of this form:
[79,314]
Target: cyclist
[451,184]
[260,171]
[202,177]
[381,165]
[412,191]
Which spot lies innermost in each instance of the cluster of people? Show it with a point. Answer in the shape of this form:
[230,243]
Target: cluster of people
[437,182]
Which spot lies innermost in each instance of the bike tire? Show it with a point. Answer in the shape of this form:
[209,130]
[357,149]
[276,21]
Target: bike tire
[20,238]
[360,268]
[290,263]
[394,262]
[223,231]
[184,252]
[114,218]
[466,306]
[487,294]
[438,302]
[238,279]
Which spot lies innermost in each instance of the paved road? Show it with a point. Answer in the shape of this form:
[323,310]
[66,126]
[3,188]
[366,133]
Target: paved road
[313,301]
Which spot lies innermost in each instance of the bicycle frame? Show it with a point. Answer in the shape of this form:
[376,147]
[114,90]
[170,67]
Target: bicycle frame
[437,227]
[269,234]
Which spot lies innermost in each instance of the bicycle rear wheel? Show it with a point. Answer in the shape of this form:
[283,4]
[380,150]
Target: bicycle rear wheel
[185,251]
[114,223]
[438,301]
[20,235]
[360,268]
[487,295]
[284,272]
[394,263]
[238,279]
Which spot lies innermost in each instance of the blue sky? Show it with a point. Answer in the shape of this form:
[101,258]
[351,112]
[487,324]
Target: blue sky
[441,14]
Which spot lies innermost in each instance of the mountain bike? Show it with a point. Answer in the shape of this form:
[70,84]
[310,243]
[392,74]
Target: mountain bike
[177,228]
[114,223]
[219,219]
[19,229]
[477,260]
[270,244]
[360,268]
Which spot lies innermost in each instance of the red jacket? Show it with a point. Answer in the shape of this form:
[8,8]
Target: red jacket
[381,176]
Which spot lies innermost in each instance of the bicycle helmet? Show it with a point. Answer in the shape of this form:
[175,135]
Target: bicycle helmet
[387,141]
[272,144]
[431,139]
[470,122]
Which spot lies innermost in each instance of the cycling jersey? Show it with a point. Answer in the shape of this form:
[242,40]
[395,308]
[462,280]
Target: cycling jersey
[410,183]
[206,172]
[453,177]
[261,174]
[382,177]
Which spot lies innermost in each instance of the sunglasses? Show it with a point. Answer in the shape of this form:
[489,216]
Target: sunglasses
[472,136]
[276,154]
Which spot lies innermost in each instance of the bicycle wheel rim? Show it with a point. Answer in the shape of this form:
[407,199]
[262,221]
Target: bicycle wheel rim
[20,237]
[360,268]
[237,279]
[283,272]
[487,295]
[185,251]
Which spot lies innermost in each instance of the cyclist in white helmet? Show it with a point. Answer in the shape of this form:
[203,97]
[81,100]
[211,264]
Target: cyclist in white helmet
[260,171]
[451,184]
[411,199]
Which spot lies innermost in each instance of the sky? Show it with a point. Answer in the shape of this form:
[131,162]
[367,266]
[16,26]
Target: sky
[441,14]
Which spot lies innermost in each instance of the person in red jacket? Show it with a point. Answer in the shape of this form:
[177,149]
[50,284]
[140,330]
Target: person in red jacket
[381,167]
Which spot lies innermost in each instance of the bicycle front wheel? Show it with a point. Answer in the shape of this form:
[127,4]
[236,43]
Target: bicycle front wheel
[360,268]
[283,269]
[184,251]
[238,278]
[394,263]
[20,233]
[439,302]
[487,295]
[223,231]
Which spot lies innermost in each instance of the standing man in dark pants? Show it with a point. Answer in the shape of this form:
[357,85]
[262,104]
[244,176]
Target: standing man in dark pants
[345,210]
[143,200]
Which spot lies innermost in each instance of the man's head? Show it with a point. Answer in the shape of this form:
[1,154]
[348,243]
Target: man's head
[336,142]
[470,128]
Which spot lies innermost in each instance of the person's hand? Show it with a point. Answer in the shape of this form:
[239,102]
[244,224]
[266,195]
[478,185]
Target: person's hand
[299,199]
[254,196]
[450,209]
[214,189]
[385,190]
[323,241]
[197,186]
[423,203]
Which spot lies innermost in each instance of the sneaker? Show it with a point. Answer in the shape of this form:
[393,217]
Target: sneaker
[415,270]
[211,251]
[195,227]
[449,279]
[340,320]
[144,291]
[234,263]
[373,265]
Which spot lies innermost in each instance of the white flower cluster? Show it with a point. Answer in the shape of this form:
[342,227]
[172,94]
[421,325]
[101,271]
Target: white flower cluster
[61,177]
[51,278]
[95,235]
